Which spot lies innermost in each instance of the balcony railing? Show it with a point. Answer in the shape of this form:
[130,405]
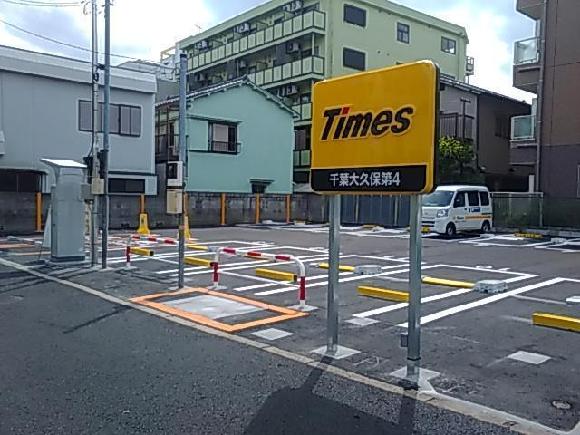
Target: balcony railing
[523,128]
[288,71]
[276,33]
[526,51]
[456,126]
[216,146]
[302,158]
[304,109]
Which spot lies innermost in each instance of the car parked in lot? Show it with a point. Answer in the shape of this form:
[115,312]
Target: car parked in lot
[453,209]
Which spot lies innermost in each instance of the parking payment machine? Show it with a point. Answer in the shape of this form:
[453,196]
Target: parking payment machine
[67,211]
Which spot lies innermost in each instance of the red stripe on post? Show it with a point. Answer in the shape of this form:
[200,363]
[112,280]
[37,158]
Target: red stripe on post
[302,291]
[230,251]
[216,277]
[136,237]
[283,257]
[151,239]
[253,254]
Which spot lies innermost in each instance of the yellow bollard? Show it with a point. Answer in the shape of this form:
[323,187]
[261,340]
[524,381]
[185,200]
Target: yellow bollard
[186,225]
[143,225]
[143,218]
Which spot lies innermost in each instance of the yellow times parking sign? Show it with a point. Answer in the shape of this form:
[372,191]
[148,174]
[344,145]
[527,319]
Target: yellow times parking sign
[376,132]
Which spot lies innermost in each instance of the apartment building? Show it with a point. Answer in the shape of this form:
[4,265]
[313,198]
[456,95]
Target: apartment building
[285,46]
[547,141]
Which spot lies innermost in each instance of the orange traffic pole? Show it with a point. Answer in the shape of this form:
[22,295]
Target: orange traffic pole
[288,208]
[257,208]
[223,209]
[38,212]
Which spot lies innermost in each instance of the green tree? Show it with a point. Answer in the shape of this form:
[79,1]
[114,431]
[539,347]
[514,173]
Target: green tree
[457,162]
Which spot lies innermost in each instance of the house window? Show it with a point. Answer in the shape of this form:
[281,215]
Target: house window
[223,138]
[354,15]
[448,45]
[403,33]
[502,127]
[126,185]
[85,116]
[124,120]
[19,181]
[353,59]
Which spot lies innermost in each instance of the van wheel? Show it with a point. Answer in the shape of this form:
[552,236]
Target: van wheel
[450,231]
[485,228]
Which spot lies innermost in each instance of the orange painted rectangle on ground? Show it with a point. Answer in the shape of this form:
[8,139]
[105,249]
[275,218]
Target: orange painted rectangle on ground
[282,312]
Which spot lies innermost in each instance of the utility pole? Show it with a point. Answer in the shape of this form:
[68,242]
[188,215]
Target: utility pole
[95,133]
[106,131]
[183,160]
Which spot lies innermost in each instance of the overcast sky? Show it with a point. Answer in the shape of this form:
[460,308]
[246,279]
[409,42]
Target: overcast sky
[142,28]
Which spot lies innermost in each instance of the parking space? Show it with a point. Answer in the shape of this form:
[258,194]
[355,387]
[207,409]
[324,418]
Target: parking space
[477,343]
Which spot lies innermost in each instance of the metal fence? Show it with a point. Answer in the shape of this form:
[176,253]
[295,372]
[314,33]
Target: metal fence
[517,210]
[388,211]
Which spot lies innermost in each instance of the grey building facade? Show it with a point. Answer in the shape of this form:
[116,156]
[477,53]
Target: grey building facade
[547,141]
[45,112]
[482,118]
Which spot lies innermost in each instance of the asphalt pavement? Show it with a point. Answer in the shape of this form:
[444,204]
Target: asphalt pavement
[74,363]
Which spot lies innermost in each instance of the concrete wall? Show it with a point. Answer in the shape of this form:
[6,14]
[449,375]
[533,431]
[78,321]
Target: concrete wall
[39,118]
[266,135]
[379,38]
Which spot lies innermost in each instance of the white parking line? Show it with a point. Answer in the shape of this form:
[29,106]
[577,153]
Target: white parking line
[349,279]
[485,301]
[389,308]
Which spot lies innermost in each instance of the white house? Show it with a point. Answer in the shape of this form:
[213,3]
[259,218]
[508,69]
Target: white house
[45,112]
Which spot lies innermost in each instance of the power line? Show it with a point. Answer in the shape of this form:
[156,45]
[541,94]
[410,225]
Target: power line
[42,4]
[70,45]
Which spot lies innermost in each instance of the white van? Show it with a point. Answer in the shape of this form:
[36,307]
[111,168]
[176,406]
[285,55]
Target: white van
[452,209]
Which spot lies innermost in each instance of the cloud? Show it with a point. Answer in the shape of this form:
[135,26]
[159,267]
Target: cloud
[139,28]
[492,27]
[143,28]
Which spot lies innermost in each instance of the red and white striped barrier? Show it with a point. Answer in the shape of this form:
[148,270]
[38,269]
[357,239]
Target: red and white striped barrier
[271,257]
[164,240]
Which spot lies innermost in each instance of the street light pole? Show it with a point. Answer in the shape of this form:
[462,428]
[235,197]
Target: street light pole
[106,131]
[183,160]
[95,133]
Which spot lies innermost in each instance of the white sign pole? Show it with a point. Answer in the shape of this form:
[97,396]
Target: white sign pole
[414,319]
[333,263]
